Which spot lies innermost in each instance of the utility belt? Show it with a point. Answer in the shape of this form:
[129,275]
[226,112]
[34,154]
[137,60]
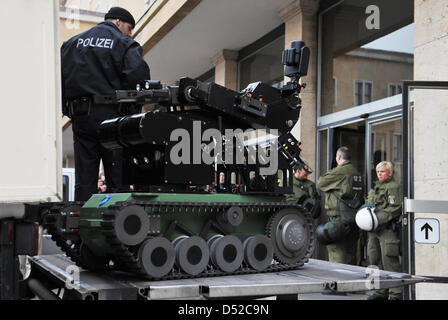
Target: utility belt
[79,106]
[396,225]
[82,106]
[393,225]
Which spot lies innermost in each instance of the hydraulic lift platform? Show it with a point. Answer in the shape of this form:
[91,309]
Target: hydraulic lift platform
[314,277]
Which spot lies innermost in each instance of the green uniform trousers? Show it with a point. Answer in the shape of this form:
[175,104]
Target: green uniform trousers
[344,251]
[383,250]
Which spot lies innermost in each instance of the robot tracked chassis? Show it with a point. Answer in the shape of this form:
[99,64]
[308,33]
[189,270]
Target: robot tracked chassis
[170,226]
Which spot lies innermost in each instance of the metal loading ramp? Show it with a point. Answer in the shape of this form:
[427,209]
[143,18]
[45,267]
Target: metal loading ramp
[315,277]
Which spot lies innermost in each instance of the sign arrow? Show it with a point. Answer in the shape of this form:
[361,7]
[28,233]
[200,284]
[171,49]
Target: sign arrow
[427,231]
[426,227]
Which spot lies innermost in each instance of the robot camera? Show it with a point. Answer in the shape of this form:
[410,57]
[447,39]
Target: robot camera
[296,59]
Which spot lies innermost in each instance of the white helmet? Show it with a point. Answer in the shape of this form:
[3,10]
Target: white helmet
[366,218]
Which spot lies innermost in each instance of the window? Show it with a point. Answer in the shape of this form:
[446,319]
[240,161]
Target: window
[363,92]
[367,92]
[358,93]
[397,148]
[395,88]
[349,50]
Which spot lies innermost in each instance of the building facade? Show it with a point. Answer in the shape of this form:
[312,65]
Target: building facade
[362,51]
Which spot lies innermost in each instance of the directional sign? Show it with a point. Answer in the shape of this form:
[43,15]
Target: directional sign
[427,231]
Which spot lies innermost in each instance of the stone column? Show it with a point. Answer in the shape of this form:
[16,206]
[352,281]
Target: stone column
[301,24]
[430,132]
[226,68]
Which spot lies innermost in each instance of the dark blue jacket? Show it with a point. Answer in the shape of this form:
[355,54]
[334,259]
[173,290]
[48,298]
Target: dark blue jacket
[100,61]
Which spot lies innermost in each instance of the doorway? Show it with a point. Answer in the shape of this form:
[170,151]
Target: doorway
[353,137]
[372,137]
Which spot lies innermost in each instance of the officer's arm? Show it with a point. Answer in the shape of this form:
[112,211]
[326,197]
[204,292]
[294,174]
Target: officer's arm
[65,111]
[64,107]
[296,193]
[393,208]
[135,69]
[371,197]
[312,192]
[316,197]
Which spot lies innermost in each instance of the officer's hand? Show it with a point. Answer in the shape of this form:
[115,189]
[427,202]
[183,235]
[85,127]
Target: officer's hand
[313,207]
[302,199]
[366,205]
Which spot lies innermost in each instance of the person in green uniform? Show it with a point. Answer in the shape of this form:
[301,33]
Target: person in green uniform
[343,190]
[383,244]
[305,192]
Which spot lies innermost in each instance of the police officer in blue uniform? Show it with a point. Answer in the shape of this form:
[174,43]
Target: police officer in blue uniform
[98,62]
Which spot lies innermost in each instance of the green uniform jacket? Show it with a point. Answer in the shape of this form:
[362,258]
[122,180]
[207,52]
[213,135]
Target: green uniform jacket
[386,196]
[303,188]
[342,182]
[305,194]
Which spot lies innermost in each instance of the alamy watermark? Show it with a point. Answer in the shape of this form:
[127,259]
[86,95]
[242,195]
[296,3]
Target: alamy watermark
[73,277]
[373,20]
[372,278]
[240,147]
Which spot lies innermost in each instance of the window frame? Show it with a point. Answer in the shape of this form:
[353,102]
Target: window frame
[363,97]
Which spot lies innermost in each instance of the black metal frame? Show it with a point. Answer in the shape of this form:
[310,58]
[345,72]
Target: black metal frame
[408,246]
[9,263]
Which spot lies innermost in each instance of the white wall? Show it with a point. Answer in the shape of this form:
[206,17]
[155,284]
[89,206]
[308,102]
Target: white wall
[30,119]
[431,142]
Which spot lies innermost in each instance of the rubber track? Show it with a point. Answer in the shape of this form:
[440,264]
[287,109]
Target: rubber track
[71,250]
[126,259]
